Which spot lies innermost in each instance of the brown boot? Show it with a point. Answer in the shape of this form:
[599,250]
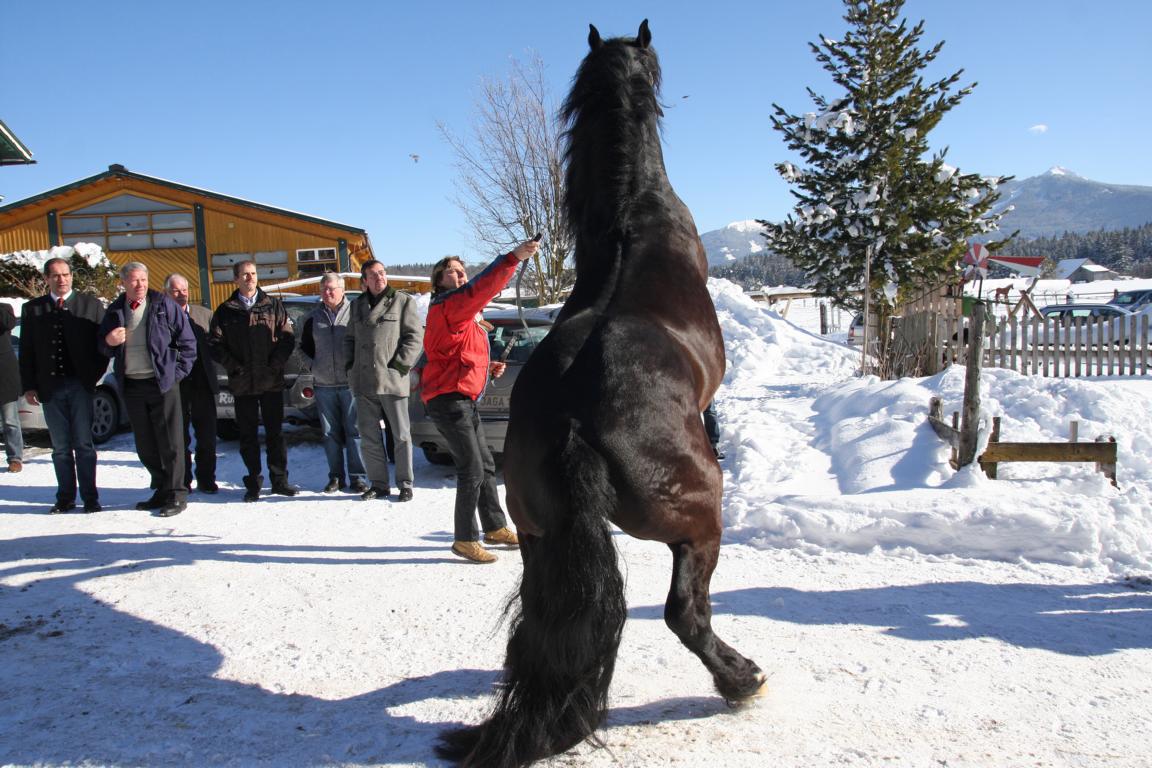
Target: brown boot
[502,536]
[471,550]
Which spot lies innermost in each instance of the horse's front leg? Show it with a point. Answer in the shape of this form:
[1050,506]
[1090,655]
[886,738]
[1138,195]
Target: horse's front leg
[688,613]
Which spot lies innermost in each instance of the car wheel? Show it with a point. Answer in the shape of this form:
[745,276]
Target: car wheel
[105,416]
[226,429]
[436,457]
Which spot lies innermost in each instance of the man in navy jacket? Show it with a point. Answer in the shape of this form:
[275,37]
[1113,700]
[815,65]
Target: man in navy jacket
[152,342]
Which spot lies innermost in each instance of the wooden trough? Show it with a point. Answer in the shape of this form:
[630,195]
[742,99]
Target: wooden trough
[1102,452]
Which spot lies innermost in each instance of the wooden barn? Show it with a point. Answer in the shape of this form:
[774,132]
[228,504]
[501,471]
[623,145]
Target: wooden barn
[173,227]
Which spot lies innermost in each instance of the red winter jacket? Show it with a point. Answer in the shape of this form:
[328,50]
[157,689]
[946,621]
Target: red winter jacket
[455,345]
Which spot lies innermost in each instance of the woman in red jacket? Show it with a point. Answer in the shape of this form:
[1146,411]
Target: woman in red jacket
[454,376]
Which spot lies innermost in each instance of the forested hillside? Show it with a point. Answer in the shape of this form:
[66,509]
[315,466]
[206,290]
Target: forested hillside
[1126,251]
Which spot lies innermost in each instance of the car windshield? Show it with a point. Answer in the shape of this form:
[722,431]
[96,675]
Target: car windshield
[1129,298]
[523,341]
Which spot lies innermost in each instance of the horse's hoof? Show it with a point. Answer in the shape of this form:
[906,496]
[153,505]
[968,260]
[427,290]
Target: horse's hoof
[761,690]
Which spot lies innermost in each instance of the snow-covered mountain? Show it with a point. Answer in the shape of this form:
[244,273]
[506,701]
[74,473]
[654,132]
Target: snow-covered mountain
[733,242]
[1060,201]
[1047,205]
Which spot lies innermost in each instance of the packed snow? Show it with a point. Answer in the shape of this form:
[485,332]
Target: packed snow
[906,614]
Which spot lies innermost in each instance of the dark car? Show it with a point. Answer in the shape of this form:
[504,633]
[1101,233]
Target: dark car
[511,342]
[1133,300]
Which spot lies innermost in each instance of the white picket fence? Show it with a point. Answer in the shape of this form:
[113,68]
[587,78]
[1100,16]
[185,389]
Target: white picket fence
[1039,347]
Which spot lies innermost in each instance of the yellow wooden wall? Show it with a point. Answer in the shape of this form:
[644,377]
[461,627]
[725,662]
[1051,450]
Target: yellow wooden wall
[229,227]
[24,236]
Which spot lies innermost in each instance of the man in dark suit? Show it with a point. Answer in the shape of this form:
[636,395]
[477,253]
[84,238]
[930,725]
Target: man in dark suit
[60,364]
[198,392]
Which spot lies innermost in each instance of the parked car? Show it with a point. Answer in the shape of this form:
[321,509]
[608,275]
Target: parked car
[856,328]
[1133,300]
[109,414]
[1106,316]
[511,342]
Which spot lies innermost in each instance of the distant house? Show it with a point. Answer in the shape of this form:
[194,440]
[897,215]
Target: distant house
[172,227]
[1082,271]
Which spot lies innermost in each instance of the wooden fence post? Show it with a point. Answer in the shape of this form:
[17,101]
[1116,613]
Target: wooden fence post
[970,416]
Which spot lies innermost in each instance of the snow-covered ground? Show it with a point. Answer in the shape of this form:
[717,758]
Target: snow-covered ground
[906,614]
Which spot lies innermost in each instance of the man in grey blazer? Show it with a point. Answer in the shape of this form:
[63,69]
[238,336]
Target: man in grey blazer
[382,343]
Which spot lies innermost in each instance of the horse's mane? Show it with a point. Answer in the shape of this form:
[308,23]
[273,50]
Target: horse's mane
[612,114]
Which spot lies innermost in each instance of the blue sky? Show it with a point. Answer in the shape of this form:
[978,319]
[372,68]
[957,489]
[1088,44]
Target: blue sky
[318,106]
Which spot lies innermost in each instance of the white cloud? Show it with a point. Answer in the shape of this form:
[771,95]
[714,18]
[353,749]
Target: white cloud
[1038,128]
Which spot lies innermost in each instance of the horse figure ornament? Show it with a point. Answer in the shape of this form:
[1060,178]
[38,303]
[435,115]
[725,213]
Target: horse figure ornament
[605,428]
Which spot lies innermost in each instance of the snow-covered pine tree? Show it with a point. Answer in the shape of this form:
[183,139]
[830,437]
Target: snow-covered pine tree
[870,198]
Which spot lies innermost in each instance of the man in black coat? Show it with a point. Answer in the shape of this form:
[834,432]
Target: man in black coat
[251,336]
[198,392]
[60,364]
[10,391]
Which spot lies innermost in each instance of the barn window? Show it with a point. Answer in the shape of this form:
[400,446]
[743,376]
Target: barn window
[271,266]
[129,222]
[315,261]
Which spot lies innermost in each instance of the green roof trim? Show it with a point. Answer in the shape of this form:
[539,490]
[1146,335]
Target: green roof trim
[12,150]
[119,171]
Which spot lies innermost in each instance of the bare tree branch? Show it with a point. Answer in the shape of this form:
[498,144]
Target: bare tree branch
[511,178]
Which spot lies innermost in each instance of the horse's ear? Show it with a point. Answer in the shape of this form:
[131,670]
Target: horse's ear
[644,37]
[594,40]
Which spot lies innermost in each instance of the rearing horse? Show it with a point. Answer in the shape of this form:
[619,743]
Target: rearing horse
[605,428]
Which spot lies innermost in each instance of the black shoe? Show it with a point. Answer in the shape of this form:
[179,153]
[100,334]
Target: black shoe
[61,507]
[719,453]
[208,488]
[334,484]
[92,506]
[358,486]
[251,494]
[153,502]
[171,508]
[405,494]
[375,493]
[284,489]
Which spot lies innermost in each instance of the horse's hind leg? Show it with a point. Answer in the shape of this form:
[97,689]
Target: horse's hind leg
[688,613]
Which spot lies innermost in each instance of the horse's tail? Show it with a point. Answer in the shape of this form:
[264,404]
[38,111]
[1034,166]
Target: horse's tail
[562,649]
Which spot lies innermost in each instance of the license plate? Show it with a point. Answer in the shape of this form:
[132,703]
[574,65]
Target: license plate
[225,398]
[494,403]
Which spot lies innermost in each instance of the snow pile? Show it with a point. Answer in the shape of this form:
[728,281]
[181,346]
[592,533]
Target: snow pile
[92,254]
[858,468]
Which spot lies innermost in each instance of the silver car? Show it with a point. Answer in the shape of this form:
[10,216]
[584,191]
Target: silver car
[1111,323]
[513,342]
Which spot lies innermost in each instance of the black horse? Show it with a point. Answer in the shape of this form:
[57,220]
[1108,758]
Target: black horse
[605,428]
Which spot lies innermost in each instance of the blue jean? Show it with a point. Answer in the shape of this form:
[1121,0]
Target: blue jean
[13,437]
[68,414]
[341,437]
[712,424]
[458,421]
